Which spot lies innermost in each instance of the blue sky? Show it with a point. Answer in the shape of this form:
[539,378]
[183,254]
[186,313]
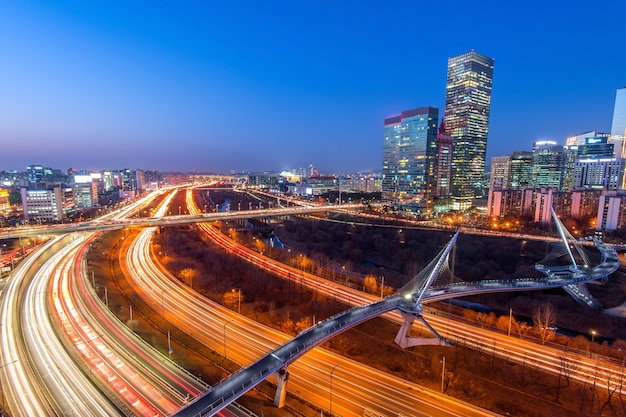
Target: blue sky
[273,85]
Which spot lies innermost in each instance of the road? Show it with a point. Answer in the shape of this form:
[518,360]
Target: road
[356,387]
[49,371]
[590,370]
[38,376]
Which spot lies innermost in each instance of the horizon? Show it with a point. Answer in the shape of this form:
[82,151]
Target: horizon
[279,86]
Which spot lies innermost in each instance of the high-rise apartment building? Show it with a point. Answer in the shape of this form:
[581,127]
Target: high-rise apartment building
[618,127]
[468,100]
[410,160]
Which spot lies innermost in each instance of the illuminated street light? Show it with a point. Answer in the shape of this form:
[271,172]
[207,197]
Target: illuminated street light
[238,299]
[593,335]
[330,407]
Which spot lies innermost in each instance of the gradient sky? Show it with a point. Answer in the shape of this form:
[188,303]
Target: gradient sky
[272,85]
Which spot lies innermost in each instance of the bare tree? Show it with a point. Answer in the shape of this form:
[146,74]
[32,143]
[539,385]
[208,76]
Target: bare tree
[567,368]
[544,320]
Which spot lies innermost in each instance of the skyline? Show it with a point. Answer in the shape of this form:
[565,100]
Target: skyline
[220,87]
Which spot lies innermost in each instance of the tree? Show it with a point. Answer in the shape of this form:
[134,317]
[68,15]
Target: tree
[187,275]
[544,320]
[233,299]
[568,367]
[370,284]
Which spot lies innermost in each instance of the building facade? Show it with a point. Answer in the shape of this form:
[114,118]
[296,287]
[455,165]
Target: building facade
[468,102]
[50,205]
[410,160]
[445,149]
[618,127]
[547,165]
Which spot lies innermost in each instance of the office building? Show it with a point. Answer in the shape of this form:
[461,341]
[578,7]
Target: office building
[547,165]
[410,160]
[520,170]
[468,100]
[445,149]
[500,171]
[48,205]
[618,127]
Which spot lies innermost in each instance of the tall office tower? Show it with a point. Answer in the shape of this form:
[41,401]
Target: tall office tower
[410,160]
[547,169]
[618,128]
[468,99]
[445,147]
[520,170]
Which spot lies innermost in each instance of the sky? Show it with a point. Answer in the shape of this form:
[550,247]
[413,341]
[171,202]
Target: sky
[215,86]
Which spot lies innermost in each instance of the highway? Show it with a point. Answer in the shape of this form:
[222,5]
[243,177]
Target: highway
[356,387]
[591,370]
[38,377]
[62,338]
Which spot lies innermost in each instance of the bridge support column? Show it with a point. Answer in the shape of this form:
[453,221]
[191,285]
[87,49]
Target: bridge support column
[404,340]
[281,388]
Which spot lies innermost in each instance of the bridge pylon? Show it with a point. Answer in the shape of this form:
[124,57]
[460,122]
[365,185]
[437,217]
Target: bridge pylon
[413,292]
[282,377]
[404,340]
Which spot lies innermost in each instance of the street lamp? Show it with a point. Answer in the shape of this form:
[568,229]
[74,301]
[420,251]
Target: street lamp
[106,295]
[443,373]
[330,407]
[226,324]
[593,335]
[238,300]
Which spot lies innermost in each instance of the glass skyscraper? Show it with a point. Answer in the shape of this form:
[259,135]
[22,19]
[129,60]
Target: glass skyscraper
[619,123]
[468,99]
[410,160]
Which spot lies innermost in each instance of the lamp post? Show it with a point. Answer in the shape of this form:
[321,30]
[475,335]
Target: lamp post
[443,373]
[226,324]
[330,405]
[593,335]
[238,299]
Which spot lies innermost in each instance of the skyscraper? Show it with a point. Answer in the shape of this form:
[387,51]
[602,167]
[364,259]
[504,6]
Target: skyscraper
[468,100]
[410,160]
[618,128]
[547,168]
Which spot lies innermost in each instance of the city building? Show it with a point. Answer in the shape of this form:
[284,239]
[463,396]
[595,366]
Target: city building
[547,165]
[581,138]
[85,191]
[611,211]
[594,173]
[500,172]
[410,160]
[5,204]
[48,205]
[445,149]
[618,127]
[520,170]
[38,174]
[468,101]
